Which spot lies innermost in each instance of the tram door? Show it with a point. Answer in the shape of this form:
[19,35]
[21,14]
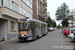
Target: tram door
[33,28]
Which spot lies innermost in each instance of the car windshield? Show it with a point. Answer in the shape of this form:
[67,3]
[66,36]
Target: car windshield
[73,29]
[63,28]
[68,28]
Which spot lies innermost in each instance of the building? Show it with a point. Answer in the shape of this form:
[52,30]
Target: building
[10,12]
[48,14]
[72,22]
[40,9]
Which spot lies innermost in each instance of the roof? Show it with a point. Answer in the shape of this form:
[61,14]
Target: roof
[31,20]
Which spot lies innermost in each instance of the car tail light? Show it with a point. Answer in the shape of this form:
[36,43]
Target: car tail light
[72,32]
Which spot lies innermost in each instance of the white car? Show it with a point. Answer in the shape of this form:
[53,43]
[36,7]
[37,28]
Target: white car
[72,33]
[50,28]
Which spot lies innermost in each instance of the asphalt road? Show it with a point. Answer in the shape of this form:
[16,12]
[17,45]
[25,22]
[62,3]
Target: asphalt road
[45,43]
[53,41]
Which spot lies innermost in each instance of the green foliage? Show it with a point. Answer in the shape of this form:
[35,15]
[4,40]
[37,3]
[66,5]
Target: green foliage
[50,22]
[70,17]
[59,26]
[62,26]
[62,12]
[53,23]
[65,22]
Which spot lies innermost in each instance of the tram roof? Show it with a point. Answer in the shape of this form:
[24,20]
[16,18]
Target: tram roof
[33,20]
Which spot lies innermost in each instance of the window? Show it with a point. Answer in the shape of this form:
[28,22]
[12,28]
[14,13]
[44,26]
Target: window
[30,5]
[2,2]
[23,26]
[7,3]
[15,7]
[12,25]
[28,14]
[23,0]
[28,2]
[24,12]
[21,10]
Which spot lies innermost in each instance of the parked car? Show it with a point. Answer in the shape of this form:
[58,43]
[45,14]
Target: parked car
[72,33]
[66,31]
[50,28]
[62,29]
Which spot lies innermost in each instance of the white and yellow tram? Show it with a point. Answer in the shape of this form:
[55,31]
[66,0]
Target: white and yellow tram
[30,29]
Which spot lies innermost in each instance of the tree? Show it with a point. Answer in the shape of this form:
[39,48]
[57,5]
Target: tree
[58,26]
[70,17]
[49,21]
[65,22]
[53,23]
[62,12]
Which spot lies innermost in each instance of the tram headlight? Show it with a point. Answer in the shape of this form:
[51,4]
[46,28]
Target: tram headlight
[24,35]
[19,35]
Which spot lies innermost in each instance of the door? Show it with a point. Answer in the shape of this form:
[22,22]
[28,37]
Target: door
[33,28]
[3,29]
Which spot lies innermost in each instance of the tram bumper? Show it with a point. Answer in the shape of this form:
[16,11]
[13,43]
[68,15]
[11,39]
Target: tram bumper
[22,37]
[25,38]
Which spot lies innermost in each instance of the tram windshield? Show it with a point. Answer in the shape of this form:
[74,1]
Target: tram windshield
[23,26]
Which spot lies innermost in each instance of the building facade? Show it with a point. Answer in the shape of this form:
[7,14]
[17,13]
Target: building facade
[10,12]
[40,9]
[72,22]
[48,14]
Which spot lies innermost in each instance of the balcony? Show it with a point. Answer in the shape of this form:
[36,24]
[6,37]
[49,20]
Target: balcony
[8,12]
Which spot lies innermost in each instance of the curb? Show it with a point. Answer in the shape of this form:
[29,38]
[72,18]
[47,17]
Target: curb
[8,41]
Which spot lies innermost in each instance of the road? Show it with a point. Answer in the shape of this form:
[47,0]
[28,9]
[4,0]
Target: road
[53,41]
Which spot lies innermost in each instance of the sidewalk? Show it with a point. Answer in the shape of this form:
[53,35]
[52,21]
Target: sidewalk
[8,41]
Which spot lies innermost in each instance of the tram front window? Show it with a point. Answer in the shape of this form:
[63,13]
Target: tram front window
[23,27]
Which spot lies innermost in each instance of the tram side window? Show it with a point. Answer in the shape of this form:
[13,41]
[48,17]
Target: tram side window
[45,26]
[37,25]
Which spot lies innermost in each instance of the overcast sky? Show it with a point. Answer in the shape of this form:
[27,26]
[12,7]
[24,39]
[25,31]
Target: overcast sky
[54,4]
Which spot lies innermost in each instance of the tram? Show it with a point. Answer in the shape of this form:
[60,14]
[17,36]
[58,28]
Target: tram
[31,29]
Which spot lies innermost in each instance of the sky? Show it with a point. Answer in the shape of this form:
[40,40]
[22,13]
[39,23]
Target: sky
[52,6]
